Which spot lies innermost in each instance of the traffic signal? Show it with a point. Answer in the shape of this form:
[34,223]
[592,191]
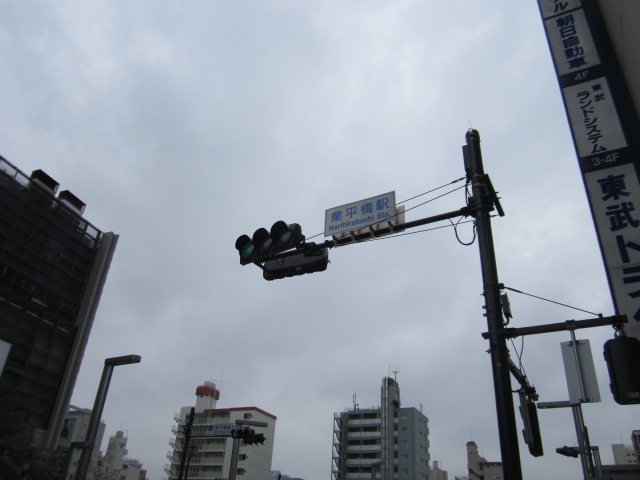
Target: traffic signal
[296,263]
[253,438]
[531,429]
[265,244]
[248,436]
[622,355]
[568,451]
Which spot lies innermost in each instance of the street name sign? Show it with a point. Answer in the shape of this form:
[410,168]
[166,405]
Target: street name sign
[362,213]
[223,428]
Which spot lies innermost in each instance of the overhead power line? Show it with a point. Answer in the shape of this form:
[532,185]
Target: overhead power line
[550,301]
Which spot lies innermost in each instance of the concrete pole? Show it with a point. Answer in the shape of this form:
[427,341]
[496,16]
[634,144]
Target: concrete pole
[484,202]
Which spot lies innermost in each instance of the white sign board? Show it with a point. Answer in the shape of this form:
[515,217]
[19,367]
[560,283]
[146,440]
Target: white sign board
[579,373]
[594,119]
[362,213]
[605,133]
[554,7]
[571,43]
[614,194]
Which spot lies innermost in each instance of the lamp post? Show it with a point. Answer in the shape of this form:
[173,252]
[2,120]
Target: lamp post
[98,407]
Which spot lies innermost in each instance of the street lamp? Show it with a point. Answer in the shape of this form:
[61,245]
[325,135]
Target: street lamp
[98,407]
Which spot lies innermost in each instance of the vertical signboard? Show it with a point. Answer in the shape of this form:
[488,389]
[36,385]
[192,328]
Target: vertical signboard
[580,371]
[606,136]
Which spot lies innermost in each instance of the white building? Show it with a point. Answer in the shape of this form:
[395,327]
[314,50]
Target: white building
[209,453]
[391,440]
[623,454]
[74,429]
[437,473]
[479,468]
[128,468]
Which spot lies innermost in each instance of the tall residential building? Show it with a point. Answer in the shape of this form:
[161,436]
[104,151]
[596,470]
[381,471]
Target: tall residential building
[76,425]
[479,468]
[437,473]
[392,440]
[208,455]
[278,475]
[53,266]
[623,454]
[112,465]
[114,459]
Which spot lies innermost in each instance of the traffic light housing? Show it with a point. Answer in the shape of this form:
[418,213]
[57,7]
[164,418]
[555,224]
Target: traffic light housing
[568,451]
[622,355]
[531,430]
[296,263]
[265,244]
[248,436]
[253,438]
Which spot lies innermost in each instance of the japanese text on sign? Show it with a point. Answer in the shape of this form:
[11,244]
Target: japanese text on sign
[594,120]
[222,428]
[571,43]
[554,7]
[614,193]
[362,213]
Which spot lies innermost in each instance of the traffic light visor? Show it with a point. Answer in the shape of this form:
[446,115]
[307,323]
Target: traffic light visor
[262,240]
[281,233]
[245,246]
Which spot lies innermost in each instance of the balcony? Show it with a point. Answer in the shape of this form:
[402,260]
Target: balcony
[376,434]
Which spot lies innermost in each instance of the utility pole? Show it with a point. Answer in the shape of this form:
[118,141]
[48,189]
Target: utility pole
[483,200]
[187,441]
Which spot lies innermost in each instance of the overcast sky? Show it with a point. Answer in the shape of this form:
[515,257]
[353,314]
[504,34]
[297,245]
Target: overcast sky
[183,125]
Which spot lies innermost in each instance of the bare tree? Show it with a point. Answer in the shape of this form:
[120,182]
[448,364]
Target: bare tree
[100,469]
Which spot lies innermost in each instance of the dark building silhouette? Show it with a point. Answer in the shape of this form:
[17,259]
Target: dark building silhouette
[53,266]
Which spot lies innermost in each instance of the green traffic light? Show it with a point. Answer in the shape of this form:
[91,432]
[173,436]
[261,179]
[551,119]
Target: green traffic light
[264,244]
[248,250]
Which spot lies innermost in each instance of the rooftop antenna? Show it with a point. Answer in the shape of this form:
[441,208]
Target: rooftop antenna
[395,373]
[355,403]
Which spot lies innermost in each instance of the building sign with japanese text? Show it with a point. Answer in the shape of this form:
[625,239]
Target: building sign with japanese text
[614,192]
[594,119]
[355,215]
[571,43]
[605,132]
[223,429]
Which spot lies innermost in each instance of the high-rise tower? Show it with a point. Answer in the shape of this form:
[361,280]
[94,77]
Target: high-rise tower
[53,266]
[390,440]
